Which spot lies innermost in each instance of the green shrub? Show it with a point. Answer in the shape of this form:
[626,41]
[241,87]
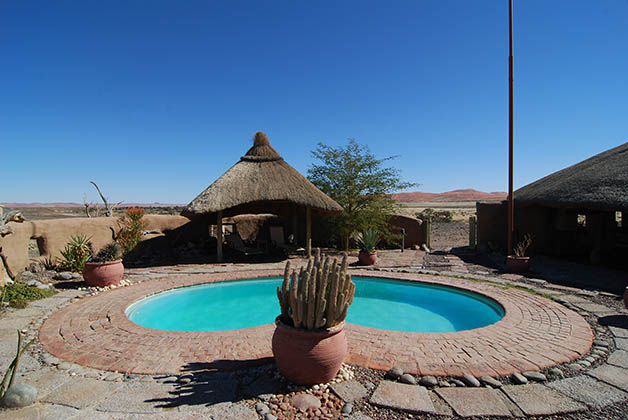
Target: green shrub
[131,229]
[438,216]
[18,294]
[109,252]
[76,253]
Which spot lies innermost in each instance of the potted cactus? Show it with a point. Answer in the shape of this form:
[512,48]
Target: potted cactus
[105,268]
[367,241]
[519,262]
[309,342]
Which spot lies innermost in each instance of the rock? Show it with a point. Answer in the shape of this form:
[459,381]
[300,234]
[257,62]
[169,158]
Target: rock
[470,380]
[535,376]
[406,378]
[347,408]
[305,401]
[43,286]
[584,363]
[457,382]
[262,409]
[395,373]
[428,381]
[76,276]
[600,343]
[19,395]
[575,366]
[33,283]
[492,382]
[556,372]
[64,275]
[269,416]
[590,359]
[519,379]
[36,267]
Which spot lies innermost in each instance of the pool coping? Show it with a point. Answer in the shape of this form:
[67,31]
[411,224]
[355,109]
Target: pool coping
[535,333]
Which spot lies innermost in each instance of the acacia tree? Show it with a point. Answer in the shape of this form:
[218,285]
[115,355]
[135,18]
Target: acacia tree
[360,183]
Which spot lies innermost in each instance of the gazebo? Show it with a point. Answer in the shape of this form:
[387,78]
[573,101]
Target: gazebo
[261,182]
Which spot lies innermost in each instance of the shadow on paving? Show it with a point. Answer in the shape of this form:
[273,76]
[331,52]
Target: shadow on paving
[220,381]
[553,270]
[619,321]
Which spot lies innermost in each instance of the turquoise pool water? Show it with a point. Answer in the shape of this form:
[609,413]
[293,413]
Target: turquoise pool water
[378,303]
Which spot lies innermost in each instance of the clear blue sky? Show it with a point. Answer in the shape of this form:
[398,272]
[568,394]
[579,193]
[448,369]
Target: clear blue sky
[154,100]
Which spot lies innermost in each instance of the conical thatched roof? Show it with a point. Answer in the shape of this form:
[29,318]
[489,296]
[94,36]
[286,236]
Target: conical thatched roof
[261,182]
[598,183]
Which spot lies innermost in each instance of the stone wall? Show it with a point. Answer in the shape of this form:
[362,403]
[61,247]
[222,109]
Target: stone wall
[51,236]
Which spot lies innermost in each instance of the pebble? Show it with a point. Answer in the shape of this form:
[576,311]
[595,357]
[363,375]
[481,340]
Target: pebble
[64,275]
[598,352]
[262,409]
[492,382]
[575,366]
[395,373]
[19,395]
[369,385]
[470,380]
[600,343]
[519,378]
[406,378]
[457,382]
[584,363]
[347,408]
[535,376]
[590,359]
[270,416]
[428,381]
[556,372]
[305,401]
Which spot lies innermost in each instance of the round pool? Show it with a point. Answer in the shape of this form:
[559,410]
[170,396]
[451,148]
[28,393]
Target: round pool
[379,303]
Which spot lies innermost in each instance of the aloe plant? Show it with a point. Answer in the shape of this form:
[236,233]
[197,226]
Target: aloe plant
[368,240]
[76,253]
[9,376]
[318,296]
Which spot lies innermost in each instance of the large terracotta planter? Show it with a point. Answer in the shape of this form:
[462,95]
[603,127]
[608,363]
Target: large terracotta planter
[103,274]
[517,264]
[367,258]
[309,357]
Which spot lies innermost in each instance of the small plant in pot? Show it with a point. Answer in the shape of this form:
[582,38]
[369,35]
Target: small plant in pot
[309,342]
[367,241]
[105,268]
[519,262]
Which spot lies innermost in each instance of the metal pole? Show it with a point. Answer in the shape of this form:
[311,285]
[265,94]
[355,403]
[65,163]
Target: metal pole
[511,209]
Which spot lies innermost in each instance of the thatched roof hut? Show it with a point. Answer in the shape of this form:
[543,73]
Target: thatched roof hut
[597,183]
[261,182]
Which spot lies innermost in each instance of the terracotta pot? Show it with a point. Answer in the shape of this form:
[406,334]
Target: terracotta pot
[517,264]
[309,357]
[367,258]
[103,274]
[626,298]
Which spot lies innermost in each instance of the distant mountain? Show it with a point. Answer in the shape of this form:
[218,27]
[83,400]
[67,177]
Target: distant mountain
[17,205]
[455,195]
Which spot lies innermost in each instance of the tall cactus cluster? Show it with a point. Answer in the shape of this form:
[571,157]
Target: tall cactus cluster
[318,296]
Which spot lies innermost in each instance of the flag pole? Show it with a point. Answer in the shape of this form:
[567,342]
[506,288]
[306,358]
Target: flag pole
[511,210]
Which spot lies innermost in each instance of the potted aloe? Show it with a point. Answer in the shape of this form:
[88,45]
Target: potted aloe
[519,262]
[105,268]
[367,241]
[309,342]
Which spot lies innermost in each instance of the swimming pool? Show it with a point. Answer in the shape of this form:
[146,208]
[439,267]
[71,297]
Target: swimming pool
[379,303]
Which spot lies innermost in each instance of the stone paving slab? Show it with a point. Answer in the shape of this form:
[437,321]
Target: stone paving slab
[349,391]
[195,397]
[619,332]
[82,392]
[619,358]
[230,411]
[468,402]
[44,381]
[589,391]
[621,343]
[539,400]
[596,308]
[137,398]
[613,375]
[411,398]
[40,412]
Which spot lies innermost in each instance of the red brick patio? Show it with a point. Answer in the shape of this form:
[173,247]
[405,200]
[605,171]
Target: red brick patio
[535,333]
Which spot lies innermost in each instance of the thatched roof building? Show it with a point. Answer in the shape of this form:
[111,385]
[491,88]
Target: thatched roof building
[261,182]
[598,183]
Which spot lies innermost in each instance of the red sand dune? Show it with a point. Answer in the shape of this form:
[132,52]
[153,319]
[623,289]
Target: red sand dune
[455,195]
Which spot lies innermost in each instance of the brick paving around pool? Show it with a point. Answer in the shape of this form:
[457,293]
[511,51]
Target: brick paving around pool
[535,333]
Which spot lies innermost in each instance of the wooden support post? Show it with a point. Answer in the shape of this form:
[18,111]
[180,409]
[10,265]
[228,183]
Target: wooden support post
[472,232]
[219,236]
[428,232]
[308,231]
[294,224]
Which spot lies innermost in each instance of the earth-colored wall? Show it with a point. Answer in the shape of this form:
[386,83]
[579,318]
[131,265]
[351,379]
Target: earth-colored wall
[415,229]
[52,235]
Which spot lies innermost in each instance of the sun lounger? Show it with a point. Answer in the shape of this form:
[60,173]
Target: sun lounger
[235,241]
